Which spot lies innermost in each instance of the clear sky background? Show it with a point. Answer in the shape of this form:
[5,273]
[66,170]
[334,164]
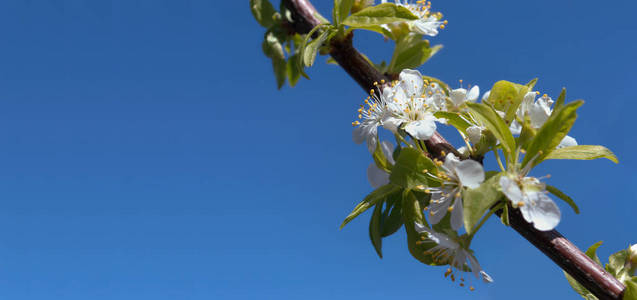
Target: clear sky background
[145,152]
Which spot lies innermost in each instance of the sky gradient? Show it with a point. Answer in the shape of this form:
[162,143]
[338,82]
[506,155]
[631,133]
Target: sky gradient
[146,153]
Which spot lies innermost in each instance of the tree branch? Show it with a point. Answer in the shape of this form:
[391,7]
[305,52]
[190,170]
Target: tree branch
[566,255]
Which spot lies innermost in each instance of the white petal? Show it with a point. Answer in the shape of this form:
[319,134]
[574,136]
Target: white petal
[359,135]
[388,150]
[473,94]
[485,277]
[475,266]
[510,189]
[544,212]
[470,173]
[515,127]
[538,114]
[527,101]
[438,208]
[486,95]
[411,81]
[457,214]
[567,141]
[451,161]
[458,96]
[376,176]
[392,124]
[421,129]
[475,134]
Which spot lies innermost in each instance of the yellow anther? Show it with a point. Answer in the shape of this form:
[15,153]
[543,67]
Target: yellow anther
[462,284]
[442,26]
[450,208]
[523,151]
[448,272]
[443,153]
[421,187]
[375,83]
[520,204]
[382,81]
[360,116]
[457,194]
[472,288]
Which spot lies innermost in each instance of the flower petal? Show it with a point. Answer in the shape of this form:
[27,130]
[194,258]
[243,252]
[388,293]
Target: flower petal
[438,208]
[475,134]
[376,176]
[392,123]
[458,96]
[388,150]
[470,173]
[457,214]
[544,212]
[411,82]
[510,189]
[567,141]
[473,94]
[422,129]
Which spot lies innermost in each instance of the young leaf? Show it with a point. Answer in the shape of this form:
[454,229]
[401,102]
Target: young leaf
[560,100]
[392,217]
[578,288]
[631,289]
[384,13]
[616,264]
[380,159]
[583,152]
[263,11]
[293,72]
[476,202]
[273,49]
[504,217]
[592,252]
[495,124]
[551,133]
[375,229]
[411,52]
[506,96]
[372,199]
[311,48]
[412,213]
[555,191]
[341,10]
[408,170]
[453,119]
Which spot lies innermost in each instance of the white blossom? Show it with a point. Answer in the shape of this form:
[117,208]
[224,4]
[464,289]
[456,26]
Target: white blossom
[371,115]
[530,196]
[460,96]
[427,23]
[412,106]
[539,112]
[455,176]
[451,251]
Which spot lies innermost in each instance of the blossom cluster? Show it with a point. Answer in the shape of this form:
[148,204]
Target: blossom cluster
[412,107]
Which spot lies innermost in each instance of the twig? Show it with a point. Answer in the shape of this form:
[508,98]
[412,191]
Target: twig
[566,255]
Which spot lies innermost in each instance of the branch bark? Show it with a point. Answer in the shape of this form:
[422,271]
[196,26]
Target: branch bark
[559,249]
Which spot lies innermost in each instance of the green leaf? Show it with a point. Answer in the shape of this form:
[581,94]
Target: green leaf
[311,49]
[273,49]
[560,100]
[412,213]
[454,120]
[408,170]
[380,159]
[583,152]
[380,14]
[372,199]
[555,191]
[616,264]
[495,124]
[504,217]
[578,288]
[341,10]
[293,72]
[375,228]
[506,96]
[392,216]
[476,202]
[411,52]
[263,11]
[631,290]
[551,133]
[592,252]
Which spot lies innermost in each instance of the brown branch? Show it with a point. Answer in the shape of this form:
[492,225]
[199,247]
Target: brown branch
[566,255]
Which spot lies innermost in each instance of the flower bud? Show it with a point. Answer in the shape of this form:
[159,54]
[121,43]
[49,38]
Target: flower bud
[633,254]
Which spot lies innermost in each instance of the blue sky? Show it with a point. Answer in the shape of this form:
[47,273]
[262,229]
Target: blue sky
[146,153]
